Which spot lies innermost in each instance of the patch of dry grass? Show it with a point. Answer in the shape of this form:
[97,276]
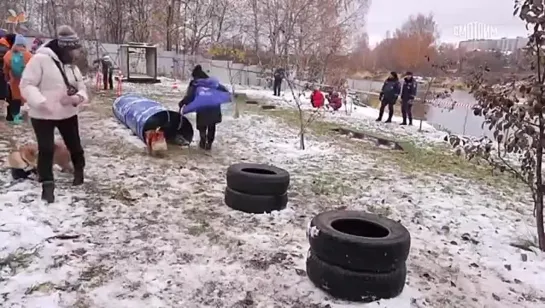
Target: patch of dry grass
[432,158]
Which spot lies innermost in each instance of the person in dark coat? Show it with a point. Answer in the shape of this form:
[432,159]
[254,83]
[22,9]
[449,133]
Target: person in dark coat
[388,96]
[107,66]
[279,75]
[408,94]
[207,118]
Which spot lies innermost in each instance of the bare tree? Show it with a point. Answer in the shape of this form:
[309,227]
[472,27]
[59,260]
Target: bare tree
[513,110]
[305,117]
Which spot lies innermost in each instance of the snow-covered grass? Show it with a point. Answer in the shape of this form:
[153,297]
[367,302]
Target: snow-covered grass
[150,232]
[357,117]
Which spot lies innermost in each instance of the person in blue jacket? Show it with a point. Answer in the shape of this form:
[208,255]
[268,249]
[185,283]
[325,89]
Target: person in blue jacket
[388,96]
[208,117]
[408,94]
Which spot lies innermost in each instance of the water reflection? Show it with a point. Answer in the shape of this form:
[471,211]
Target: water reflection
[459,120]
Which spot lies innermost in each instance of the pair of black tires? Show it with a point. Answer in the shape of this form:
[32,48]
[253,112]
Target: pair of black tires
[356,256]
[256,188]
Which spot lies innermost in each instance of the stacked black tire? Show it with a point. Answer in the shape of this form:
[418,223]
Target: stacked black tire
[256,188]
[357,256]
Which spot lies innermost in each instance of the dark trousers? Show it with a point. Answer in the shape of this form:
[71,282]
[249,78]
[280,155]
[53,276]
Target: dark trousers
[407,111]
[277,84]
[4,87]
[108,80]
[207,133]
[13,108]
[390,110]
[45,135]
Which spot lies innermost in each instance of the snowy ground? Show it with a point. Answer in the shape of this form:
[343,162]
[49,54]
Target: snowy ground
[148,232]
[357,117]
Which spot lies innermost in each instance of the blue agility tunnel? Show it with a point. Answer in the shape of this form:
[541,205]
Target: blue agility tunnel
[141,114]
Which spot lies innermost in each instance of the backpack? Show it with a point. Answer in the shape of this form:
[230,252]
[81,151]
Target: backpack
[17,64]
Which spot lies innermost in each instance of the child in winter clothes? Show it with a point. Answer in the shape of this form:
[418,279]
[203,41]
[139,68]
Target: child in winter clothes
[335,101]
[317,98]
[15,61]
[6,41]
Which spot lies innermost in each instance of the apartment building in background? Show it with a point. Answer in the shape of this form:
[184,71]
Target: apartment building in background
[503,44]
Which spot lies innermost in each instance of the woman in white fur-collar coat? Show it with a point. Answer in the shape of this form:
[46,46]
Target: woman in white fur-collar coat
[54,89]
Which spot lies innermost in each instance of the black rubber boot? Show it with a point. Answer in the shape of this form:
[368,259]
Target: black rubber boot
[78,177]
[208,146]
[48,191]
[202,144]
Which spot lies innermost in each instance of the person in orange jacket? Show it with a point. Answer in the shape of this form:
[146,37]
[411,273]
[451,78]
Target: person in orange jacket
[6,41]
[15,61]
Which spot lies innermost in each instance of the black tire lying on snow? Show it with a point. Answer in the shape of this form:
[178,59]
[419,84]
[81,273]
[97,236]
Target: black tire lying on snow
[355,286]
[359,241]
[253,203]
[258,179]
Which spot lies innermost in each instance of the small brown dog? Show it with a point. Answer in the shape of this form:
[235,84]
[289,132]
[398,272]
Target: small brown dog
[155,141]
[61,157]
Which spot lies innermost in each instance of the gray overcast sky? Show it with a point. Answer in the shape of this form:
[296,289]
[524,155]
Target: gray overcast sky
[458,20]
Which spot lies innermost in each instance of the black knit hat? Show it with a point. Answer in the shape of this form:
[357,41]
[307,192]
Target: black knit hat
[394,75]
[11,38]
[67,38]
[198,72]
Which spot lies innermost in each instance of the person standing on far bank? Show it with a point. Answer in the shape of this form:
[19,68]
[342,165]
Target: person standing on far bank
[54,89]
[408,94]
[388,96]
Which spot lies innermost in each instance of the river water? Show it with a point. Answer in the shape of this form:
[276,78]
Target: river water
[458,120]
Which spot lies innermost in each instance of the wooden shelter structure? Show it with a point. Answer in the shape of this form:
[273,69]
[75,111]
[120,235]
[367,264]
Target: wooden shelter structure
[138,62]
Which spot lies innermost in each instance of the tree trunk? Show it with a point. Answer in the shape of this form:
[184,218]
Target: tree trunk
[236,115]
[301,129]
[54,11]
[538,198]
[539,186]
[169,26]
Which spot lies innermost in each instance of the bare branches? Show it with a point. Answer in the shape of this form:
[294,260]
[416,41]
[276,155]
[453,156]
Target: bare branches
[513,111]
